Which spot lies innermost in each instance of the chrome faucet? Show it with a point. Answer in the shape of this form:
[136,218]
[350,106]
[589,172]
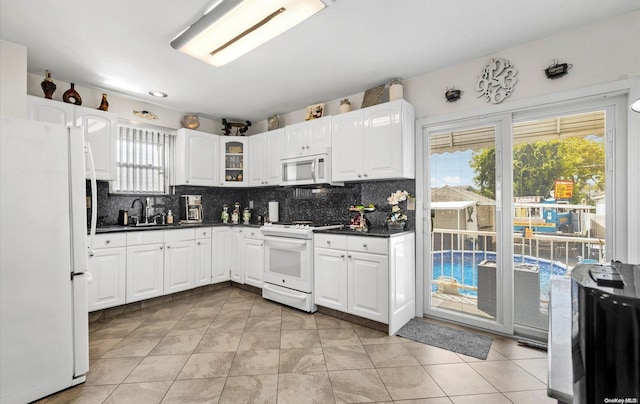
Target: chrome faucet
[148,210]
[142,209]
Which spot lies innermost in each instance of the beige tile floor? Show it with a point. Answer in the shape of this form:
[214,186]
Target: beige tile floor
[232,346]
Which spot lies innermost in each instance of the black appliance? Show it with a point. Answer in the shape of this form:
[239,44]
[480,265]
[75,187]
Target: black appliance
[605,332]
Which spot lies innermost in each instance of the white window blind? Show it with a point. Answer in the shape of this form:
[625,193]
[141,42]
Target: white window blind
[143,160]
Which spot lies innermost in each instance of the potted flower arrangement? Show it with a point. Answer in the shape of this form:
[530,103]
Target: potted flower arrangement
[397,218]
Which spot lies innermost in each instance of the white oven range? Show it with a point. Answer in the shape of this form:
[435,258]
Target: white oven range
[288,269]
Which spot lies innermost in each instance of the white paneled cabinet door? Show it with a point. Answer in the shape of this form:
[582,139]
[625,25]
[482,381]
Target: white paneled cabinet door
[108,270]
[346,153]
[221,254]
[203,257]
[258,160]
[369,286]
[145,271]
[44,110]
[295,139]
[237,256]
[319,135]
[309,137]
[275,151]
[330,278]
[382,141]
[253,253]
[100,131]
[197,158]
[179,266]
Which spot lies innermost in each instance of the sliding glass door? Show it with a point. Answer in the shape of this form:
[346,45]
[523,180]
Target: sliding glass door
[515,199]
[465,248]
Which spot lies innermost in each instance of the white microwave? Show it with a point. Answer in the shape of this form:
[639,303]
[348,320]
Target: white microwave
[307,170]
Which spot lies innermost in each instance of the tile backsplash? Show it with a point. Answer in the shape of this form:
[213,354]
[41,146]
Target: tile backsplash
[327,204]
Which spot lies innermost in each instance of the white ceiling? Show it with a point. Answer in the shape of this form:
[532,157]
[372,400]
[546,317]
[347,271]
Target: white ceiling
[122,46]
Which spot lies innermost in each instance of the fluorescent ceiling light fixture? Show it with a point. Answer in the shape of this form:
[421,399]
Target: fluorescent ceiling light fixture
[636,105]
[235,27]
[159,94]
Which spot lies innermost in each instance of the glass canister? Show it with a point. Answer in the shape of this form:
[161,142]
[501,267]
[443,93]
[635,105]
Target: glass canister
[246,215]
[225,214]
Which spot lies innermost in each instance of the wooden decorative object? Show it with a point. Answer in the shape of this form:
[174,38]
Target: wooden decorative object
[240,128]
[314,112]
[372,96]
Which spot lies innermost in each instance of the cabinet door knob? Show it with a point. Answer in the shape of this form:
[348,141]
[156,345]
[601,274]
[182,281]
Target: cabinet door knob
[349,256]
[341,255]
[366,175]
[364,245]
[91,254]
[161,247]
[199,243]
[359,175]
[204,233]
[168,246]
[108,241]
[328,241]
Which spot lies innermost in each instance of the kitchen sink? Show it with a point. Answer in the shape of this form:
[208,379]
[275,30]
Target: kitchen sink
[149,225]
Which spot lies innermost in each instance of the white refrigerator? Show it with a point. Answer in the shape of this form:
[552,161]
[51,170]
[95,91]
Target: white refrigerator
[44,342]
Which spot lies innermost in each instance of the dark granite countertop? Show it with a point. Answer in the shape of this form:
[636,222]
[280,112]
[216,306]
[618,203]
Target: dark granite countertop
[117,228]
[372,232]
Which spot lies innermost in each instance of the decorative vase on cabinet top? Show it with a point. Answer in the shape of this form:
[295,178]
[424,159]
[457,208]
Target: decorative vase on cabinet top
[71,96]
[395,89]
[104,104]
[190,121]
[48,86]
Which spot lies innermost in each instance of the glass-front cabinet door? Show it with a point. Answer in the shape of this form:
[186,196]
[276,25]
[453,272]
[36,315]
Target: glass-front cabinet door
[234,171]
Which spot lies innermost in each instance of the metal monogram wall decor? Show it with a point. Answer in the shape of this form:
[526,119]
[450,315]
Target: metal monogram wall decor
[497,80]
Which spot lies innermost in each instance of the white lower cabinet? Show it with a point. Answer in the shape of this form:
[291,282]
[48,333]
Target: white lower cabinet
[370,277]
[237,256]
[145,265]
[331,278]
[253,253]
[179,260]
[107,265]
[203,258]
[221,254]
[369,286]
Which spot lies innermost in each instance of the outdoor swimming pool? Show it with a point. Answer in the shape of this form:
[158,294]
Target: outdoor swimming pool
[463,266]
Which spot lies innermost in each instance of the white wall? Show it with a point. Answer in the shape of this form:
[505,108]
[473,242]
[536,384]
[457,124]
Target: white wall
[13,82]
[121,105]
[604,52]
[601,53]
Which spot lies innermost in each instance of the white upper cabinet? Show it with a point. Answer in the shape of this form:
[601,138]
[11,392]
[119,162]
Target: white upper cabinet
[100,130]
[44,110]
[197,158]
[234,162]
[266,151]
[374,143]
[307,138]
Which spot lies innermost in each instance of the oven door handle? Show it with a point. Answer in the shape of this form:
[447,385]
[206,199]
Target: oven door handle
[279,292]
[283,242]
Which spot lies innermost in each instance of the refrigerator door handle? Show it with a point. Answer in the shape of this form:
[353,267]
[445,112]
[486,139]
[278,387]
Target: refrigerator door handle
[94,196]
[80,327]
[77,198]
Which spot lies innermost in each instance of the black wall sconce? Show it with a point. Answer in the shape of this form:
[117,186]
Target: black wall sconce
[452,94]
[557,70]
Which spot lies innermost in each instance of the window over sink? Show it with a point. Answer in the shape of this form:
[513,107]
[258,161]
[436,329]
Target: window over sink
[143,160]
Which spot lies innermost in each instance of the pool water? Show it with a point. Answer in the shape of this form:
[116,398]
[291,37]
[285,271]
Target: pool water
[463,266]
